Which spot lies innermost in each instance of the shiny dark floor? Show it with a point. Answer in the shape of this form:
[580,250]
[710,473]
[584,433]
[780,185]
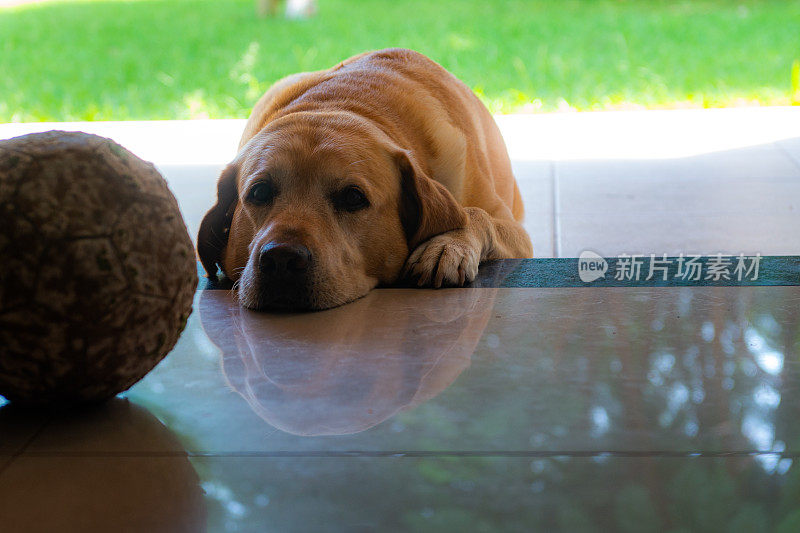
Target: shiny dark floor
[480,409]
[513,406]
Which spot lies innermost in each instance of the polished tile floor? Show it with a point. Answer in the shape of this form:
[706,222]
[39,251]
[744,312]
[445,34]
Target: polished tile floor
[493,408]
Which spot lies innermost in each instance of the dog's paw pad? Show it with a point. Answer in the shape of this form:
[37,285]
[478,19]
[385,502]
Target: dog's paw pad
[444,260]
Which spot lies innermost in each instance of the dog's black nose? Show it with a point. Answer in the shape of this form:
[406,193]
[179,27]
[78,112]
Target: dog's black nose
[285,260]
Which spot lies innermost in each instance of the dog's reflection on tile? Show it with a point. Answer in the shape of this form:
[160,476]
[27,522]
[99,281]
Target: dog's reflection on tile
[347,369]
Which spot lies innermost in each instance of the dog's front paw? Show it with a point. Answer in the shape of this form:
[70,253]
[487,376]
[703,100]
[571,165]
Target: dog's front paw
[449,259]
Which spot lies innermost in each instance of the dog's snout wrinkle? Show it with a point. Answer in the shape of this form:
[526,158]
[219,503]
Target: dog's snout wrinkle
[284,259]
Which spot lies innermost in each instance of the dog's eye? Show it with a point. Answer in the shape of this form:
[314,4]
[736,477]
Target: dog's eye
[261,193]
[351,199]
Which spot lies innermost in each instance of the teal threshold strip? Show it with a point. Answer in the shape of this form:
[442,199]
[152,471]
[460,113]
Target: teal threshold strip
[591,270]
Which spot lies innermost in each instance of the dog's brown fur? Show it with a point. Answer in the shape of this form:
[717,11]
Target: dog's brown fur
[412,137]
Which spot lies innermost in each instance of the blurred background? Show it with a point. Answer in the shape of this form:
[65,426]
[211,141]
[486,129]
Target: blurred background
[86,60]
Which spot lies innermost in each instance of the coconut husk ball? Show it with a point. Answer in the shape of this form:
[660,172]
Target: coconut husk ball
[98,271]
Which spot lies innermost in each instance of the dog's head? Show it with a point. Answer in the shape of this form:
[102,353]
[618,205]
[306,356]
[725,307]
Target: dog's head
[319,208]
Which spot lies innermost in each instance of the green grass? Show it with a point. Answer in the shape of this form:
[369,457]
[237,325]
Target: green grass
[160,59]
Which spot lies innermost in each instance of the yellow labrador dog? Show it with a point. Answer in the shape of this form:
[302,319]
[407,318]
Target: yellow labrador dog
[381,167]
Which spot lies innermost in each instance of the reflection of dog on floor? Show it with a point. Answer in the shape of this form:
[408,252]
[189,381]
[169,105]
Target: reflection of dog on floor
[295,9]
[381,167]
[347,369]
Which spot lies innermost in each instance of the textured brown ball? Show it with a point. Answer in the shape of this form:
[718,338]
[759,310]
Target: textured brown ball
[98,271]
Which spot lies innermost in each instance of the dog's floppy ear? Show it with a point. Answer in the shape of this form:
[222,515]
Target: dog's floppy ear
[426,207]
[213,234]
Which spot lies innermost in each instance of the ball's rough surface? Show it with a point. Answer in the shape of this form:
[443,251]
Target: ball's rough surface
[97,270]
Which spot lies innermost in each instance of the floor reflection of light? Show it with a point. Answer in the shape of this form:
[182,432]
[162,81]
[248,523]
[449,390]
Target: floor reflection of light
[698,395]
[538,466]
[768,462]
[729,367]
[582,368]
[236,509]
[601,421]
[203,345]
[769,324]
[707,331]
[685,301]
[225,497]
[664,362]
[735,406]
[772,462]
[754,340]
[770,361]
[655,378]
[760,432]
[492,341]
[690,357]
[677,396]
[766,396]
[749,368]
[602,458]
[726,338]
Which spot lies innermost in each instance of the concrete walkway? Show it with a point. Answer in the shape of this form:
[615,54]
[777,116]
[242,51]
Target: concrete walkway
[684,181]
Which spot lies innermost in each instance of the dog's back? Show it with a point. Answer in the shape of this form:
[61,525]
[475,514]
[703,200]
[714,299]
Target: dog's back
[422,107]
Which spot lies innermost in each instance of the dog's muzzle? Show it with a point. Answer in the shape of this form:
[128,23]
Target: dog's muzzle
[282,261]
[284,275]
